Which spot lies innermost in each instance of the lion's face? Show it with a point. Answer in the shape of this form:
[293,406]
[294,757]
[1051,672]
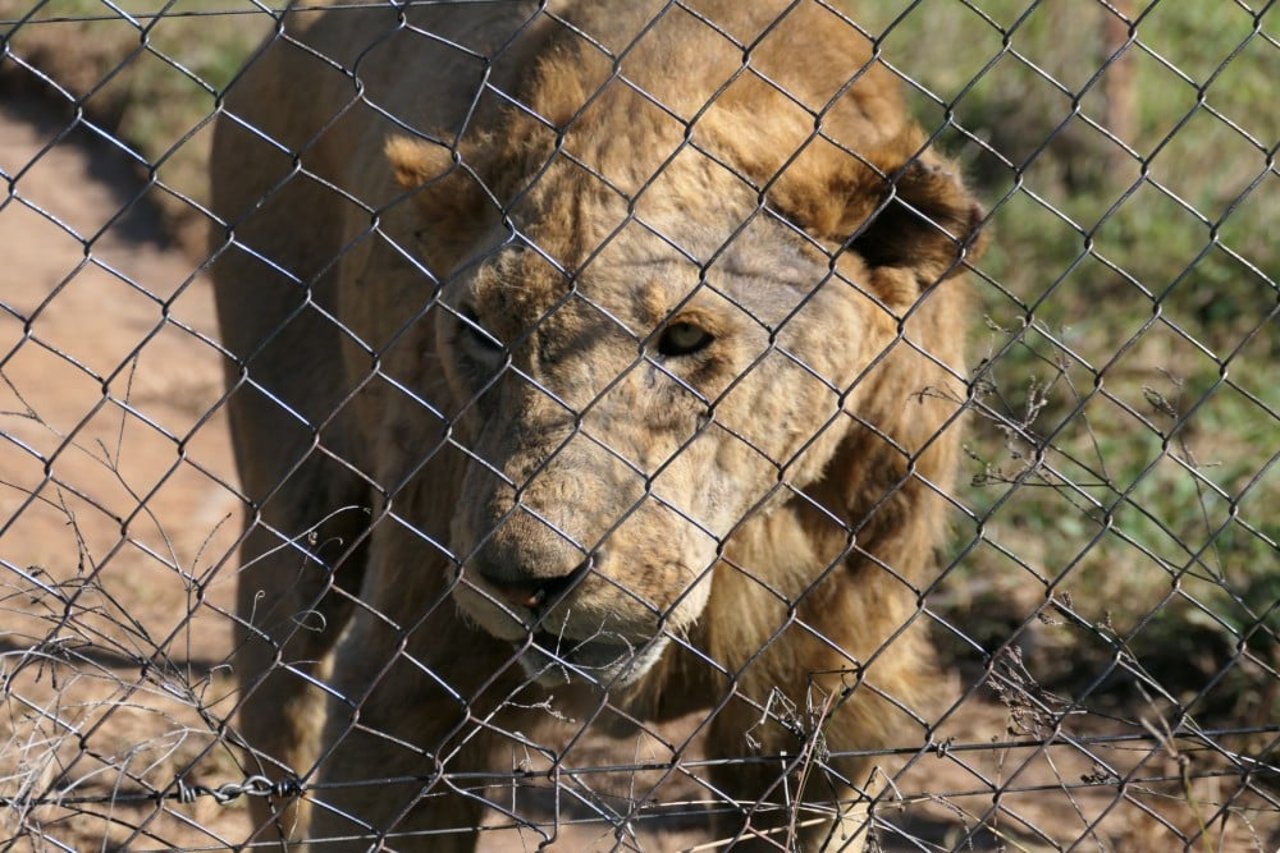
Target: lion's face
[655,340]
[623,417]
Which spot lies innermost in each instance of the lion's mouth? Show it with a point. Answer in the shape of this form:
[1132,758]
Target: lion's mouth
[605,659]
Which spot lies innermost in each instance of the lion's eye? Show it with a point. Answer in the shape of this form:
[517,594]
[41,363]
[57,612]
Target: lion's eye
[471,322]
[683,339]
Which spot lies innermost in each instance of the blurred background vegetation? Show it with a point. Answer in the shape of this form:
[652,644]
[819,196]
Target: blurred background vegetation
[1120,508]
[146,74]
[1122,477]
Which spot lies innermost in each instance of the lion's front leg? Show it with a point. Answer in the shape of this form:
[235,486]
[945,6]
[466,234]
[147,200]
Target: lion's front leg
[812,717]
[419,703]
[407,745]
[808,703]
[288,620]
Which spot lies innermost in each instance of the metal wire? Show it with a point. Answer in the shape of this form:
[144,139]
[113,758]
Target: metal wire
[1104,603]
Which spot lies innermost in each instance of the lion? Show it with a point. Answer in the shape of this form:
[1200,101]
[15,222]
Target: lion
[599,355]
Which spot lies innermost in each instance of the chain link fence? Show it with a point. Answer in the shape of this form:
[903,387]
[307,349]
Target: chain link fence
[664,425]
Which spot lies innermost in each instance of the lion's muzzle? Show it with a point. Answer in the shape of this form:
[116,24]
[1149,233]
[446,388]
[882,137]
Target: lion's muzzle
[535,593]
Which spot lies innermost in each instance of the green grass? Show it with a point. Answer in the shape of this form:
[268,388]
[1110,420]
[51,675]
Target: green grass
[1131,304]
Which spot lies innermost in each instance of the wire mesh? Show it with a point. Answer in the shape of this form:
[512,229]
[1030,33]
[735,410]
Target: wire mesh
[662,425]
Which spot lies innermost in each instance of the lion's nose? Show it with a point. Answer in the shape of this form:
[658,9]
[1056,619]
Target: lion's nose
[536,593]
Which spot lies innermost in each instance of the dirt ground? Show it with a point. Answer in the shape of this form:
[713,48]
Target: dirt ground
[119,514]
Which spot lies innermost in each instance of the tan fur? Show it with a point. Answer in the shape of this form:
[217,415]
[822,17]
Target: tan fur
[754,521]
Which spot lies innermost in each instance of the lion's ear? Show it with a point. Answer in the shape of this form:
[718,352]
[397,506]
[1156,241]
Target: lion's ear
[896,207]
[924,220]
[448,197]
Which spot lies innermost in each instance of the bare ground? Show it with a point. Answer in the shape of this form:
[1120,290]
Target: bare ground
[118,520]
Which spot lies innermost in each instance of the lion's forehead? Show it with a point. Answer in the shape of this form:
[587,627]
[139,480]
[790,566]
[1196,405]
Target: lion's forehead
[640,279]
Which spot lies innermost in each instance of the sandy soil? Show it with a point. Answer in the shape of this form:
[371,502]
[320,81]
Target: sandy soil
[118,506]
[118,520]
